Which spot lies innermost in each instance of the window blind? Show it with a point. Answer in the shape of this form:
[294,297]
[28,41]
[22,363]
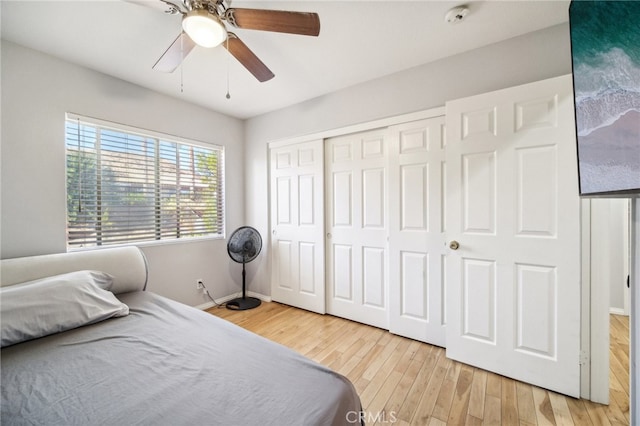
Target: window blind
[126,185]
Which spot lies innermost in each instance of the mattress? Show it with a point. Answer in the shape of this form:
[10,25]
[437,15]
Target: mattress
[168,364]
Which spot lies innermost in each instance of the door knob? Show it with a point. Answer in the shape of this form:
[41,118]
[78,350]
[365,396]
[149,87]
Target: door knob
[454,245]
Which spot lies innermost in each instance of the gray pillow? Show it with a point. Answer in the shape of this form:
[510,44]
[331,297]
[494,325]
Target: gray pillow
[55,304]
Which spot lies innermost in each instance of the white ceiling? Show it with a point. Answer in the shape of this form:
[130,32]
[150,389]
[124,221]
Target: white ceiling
[359,41]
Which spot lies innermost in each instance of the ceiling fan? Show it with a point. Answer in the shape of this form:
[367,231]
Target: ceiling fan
[203,24]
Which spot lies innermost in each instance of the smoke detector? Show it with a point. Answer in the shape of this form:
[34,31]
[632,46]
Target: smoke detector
[457,14]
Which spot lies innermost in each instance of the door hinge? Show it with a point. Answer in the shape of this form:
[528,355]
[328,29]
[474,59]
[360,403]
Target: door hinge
[584,358]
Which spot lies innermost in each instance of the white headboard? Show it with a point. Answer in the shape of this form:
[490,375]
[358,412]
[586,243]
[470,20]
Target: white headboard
[127,265]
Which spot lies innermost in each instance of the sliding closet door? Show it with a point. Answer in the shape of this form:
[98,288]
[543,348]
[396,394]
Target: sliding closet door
[297,226]
[416,235]
[513,221]
[356,197]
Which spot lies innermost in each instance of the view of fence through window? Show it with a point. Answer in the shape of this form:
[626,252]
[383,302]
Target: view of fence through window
[125,187]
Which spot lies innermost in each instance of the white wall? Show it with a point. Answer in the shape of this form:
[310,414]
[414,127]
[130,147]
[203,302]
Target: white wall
[610,249]
[532,57]
[617,253]
[37,91]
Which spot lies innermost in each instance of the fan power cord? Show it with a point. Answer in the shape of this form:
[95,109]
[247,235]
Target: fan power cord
[206,291]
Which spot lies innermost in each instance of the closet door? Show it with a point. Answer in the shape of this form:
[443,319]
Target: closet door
[356,215]
[513,211]
[416,236]
[297,226]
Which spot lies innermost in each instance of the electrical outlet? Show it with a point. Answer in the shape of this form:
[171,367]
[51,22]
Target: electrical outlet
[199,284]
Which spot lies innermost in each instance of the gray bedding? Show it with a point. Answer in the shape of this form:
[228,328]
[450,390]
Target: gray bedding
[167,364]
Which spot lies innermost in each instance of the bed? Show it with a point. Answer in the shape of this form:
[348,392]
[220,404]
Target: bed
[141,358]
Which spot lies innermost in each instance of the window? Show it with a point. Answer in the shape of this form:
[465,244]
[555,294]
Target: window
[126,185]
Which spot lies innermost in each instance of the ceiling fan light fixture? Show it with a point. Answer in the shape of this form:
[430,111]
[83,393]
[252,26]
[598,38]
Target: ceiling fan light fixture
[204,28]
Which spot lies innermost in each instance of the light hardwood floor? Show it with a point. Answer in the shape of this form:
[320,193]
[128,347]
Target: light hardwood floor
[402,381]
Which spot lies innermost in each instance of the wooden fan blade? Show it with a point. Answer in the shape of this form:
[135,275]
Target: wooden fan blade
[246,57]
[302,23]
[175,54]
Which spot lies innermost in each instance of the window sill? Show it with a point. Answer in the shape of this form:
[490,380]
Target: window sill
[155,243]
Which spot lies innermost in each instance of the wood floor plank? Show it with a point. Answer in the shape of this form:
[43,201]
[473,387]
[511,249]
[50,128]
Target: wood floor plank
[347,355]
[376,383]
[356,373]
[596,414]
[377,405]
[560,410]
[494,385]
[620,397]
[492,411]
[421,382]
[426,392]
[526,409]
[578,412]
[447,390]
[415,384]
[615,414]
[313,329]
[436,422]
[473,421]
[619,371]
[292,334]
[400,392]
[509,402]
[326,352]
[542,405]
[350,364]
[620,328]
[316,347]
[478,392]
[387,350]
[460,404]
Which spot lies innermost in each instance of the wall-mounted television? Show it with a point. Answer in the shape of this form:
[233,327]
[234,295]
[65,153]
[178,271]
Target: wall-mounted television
[605,51]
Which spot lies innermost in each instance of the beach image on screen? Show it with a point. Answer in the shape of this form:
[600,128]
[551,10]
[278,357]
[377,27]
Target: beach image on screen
[605,44]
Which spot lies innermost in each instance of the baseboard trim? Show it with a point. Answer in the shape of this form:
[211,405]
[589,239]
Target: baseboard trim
[616,311]
[257,296]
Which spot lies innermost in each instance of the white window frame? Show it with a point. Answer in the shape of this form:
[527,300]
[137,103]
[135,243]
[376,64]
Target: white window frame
[158,137]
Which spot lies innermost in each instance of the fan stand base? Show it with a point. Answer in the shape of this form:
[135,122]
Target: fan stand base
[243,303]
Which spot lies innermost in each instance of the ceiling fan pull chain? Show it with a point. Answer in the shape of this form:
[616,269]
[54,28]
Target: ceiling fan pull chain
[228,53]
[181,67]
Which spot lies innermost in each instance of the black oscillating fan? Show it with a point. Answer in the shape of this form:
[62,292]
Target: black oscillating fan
[244,245]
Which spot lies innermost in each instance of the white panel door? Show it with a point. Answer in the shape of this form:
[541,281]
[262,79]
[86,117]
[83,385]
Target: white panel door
[513,305]
[356,217]
[297,225]
[417,245]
